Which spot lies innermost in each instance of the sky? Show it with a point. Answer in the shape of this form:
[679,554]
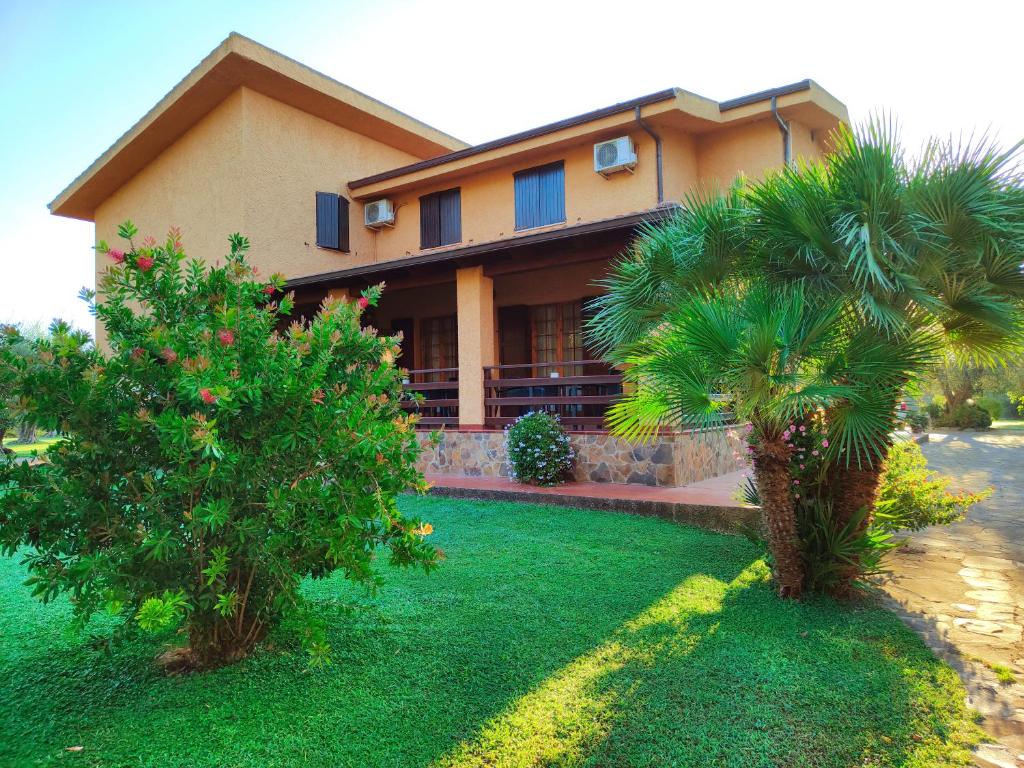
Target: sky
[76,74]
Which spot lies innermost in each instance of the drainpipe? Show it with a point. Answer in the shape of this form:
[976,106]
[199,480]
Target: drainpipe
[657,151]
[787,135]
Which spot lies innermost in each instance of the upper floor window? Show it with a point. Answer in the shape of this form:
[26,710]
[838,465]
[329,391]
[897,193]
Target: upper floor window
[331,221]
[441,218]
[540,196]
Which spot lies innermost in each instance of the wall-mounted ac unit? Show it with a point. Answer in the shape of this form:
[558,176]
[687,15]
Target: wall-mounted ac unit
[614,155]
[379,213]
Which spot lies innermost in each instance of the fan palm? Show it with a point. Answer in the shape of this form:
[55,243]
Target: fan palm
[770,356]
[910,259]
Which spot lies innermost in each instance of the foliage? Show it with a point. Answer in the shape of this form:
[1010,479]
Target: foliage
[966,416]
[917,421]
[912,497]
[832,549]
[875,268]
[552,636]
[538,449]
[209,463]
[934,409]
[992,405]
[10,339]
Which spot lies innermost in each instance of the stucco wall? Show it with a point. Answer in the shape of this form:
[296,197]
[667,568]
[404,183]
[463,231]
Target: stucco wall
[669,460]
[253,165]
[488,199]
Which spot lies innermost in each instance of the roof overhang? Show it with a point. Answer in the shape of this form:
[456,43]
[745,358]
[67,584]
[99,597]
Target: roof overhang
[805,101]
[238,62]
[478,253]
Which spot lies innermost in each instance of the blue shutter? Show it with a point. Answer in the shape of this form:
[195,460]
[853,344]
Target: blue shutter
[327,220]
[540,196]
[450,214]
[430,236]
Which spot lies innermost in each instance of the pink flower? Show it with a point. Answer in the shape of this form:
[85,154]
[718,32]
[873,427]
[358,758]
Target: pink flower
[226,337]
[116,255]
[144,263]
[208,397]
[269,290]
[814,452]
[803,428]
[796,496]
[363,302]
[824,443]
[138,353]
[796,482]
[169,354]
[801,466]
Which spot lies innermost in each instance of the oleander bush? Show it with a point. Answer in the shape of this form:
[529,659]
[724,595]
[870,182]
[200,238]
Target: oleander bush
[538,450]
[211,462]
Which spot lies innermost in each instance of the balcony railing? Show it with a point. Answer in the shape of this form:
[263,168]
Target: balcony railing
[440,390]
[578,391]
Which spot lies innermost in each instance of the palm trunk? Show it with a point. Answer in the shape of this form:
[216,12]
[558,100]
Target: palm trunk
[853,489]
[771,471]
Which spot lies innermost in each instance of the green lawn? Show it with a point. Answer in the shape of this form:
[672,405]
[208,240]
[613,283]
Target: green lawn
[1008,424]
[26,449]
[549,637]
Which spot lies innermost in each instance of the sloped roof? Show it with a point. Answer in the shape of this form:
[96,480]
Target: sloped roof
[236,62]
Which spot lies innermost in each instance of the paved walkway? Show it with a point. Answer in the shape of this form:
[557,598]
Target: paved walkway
[962,586]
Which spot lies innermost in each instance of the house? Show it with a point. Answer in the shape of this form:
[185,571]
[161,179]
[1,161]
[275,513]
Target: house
[489,251]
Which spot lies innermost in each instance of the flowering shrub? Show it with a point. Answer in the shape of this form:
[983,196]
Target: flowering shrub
[538,449]
[211,463]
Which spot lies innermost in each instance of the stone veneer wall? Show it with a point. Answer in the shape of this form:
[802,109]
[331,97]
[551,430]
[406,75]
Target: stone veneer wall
[669,460]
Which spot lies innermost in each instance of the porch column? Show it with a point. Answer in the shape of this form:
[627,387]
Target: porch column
[475,307]
[338,293]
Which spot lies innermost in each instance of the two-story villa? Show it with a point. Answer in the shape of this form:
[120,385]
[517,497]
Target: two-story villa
[488,251]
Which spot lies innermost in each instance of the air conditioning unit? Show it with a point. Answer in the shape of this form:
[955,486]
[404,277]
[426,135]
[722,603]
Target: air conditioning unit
[614,155]
[379,213]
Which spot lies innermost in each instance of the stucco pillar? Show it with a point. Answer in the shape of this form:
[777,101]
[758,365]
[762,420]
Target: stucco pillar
[475,307]
[338,293]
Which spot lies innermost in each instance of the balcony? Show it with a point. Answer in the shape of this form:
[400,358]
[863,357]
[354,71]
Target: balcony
[440,390]
[578,391]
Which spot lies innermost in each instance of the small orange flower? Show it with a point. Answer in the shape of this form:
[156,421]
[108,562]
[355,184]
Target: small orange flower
[424,530]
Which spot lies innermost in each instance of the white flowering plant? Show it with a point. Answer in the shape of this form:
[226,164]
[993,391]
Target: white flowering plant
[538,450]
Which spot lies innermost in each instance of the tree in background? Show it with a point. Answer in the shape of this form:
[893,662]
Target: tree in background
[211,463]
[918,257]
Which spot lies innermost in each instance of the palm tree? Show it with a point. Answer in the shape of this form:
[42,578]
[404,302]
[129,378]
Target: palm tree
[912,258]
[770,356]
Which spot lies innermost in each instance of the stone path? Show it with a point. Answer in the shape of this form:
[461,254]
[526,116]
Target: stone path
[962,586]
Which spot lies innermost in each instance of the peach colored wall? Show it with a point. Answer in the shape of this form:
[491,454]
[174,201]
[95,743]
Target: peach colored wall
[253,165]
[290,155]
[488,198]
[751,148]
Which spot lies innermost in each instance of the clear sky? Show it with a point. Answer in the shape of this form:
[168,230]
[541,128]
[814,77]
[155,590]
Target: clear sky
[75,75]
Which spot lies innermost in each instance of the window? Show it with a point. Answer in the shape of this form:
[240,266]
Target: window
[440,345]
[440,218]
[540,196]
[557,336]
[331,221]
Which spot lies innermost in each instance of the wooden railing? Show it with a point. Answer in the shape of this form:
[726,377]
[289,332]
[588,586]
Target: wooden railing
[579,391]
[440,390]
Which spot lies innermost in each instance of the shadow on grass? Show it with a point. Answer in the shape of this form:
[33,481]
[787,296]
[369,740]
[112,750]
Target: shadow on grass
[549,637]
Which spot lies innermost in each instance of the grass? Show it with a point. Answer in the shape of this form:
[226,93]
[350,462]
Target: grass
[549,637]
[26,449]
[1008,424]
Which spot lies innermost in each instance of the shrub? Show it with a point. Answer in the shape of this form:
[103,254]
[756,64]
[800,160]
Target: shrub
[918,422]
[538,449]
[211,463]
[993,405]
[934,410]
[911,497]
[967,416]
